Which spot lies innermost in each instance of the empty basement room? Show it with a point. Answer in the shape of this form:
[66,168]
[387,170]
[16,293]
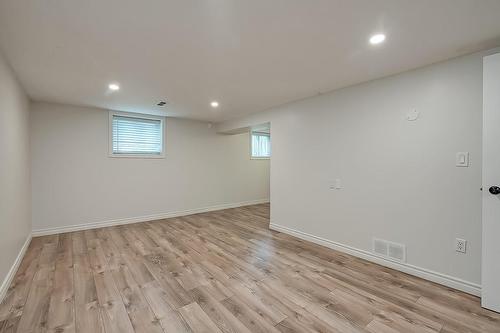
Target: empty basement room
[250,166]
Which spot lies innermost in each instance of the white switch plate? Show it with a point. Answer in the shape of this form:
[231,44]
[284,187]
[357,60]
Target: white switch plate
[462,159]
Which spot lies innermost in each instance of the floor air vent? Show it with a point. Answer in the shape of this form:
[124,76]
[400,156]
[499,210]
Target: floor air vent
[389,250]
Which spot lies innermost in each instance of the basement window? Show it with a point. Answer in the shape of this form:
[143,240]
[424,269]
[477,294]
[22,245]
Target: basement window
[260,145]
[133,135]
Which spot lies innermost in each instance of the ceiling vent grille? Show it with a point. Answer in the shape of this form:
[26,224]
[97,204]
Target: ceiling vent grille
[390,250]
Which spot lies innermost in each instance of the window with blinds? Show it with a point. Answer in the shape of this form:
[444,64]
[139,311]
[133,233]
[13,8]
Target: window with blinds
[261,145]
[136,136]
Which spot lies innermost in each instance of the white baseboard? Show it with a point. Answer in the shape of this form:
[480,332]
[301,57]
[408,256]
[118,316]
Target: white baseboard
[128,220]
[443,279]
[13,270]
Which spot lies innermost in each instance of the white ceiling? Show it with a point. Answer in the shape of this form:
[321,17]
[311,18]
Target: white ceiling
[249,55]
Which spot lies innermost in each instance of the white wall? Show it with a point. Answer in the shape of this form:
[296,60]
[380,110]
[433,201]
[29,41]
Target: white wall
[400,179]
[75,182]
[15,192]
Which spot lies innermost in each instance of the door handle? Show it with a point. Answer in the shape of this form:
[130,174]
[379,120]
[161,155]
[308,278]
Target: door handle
[495,190]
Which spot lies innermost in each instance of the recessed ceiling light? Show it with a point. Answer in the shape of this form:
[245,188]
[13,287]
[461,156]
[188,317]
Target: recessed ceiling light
[114,87]
[377,39]
[214,104]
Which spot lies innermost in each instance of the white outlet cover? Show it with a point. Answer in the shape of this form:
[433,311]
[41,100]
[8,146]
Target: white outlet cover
[461,245]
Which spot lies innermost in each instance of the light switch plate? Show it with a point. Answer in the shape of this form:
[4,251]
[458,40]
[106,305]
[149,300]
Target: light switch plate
[462,159]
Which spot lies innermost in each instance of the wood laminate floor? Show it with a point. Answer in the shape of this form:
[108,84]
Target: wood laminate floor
[221,271]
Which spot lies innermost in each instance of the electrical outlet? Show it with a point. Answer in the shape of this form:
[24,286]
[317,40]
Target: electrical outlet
[460,245]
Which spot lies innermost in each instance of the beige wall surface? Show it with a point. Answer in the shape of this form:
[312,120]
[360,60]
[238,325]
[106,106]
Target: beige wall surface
[399,178]
[76,182]
[15,192]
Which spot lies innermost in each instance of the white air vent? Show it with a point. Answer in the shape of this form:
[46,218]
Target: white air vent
[380,247]
[397,252]
[389,250]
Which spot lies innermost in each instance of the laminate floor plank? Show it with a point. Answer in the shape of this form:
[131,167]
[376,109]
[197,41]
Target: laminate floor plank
[198,321]
[221,271]
[61,316]
[17,293]
[87,310]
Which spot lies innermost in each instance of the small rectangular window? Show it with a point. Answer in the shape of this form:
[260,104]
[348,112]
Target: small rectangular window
[136,135]
[261,145]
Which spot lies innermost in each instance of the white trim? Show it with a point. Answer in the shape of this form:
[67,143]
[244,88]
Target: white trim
[128,220]
[443,279]
[13,270]
[140,116]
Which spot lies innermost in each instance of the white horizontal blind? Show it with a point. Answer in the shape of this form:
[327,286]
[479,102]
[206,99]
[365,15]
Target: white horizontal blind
[261,144]
[137,136]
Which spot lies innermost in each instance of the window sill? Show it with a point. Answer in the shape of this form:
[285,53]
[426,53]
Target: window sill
[260,158]
[137,156]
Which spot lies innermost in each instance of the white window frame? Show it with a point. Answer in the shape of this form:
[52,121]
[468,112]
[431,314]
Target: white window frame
[139,116]
[250,139]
